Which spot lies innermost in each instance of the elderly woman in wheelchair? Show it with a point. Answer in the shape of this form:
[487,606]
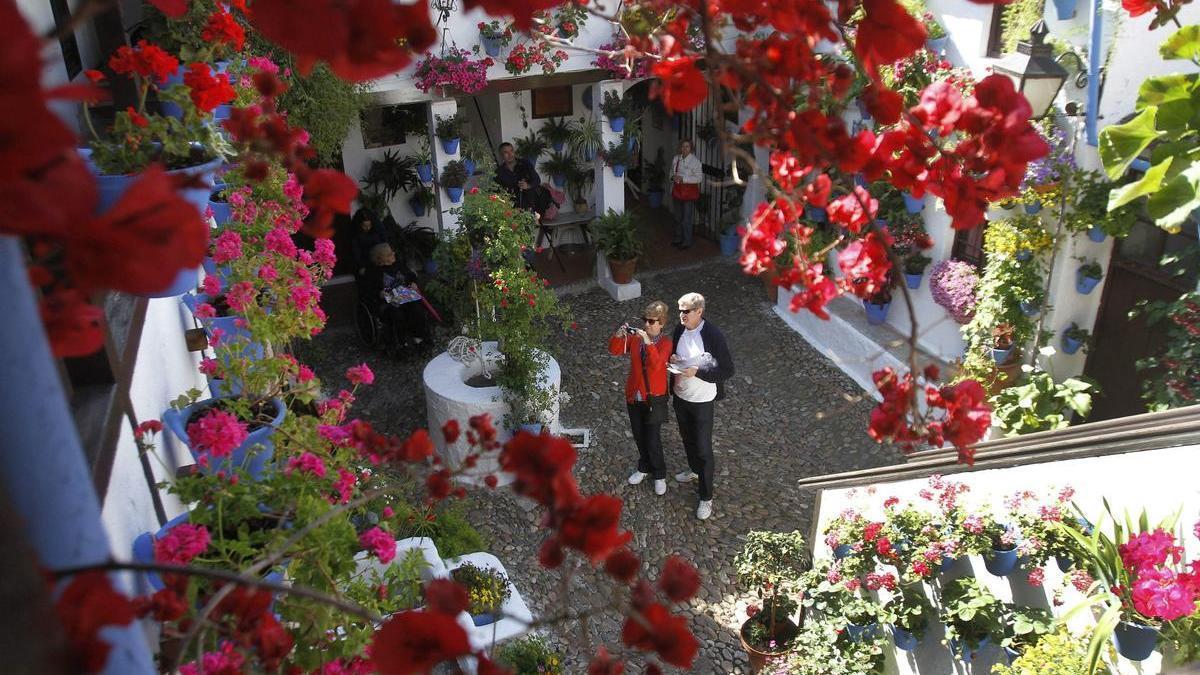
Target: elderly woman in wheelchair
[390,303]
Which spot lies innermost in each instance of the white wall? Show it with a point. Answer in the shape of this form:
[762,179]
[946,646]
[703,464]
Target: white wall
[357,161]
[1122,479]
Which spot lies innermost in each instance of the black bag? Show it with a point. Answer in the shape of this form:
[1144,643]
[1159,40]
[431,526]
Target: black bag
[657,404]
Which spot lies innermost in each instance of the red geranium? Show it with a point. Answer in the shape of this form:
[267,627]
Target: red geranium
[415,642]
[221,27]
[679,580]
[73,325]
[590,527]
[683,85]
[88,604]
[661,633]
[207,90]
[145,60]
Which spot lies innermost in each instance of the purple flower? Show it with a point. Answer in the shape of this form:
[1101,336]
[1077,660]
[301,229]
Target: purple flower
[952,283]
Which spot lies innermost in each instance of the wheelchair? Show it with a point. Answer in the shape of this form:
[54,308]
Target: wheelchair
[373,330]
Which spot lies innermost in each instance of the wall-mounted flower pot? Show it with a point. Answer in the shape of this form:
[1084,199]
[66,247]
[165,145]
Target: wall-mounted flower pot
[559,147]
[222,212]
[816,214]
[586,98]
[913,280]
[841,551]
[1001,356]
[469,165]
[965,652]
[1001,563]
[655,197]
[417,206]
[485,619]
[617,124]
[111,188]
[232,327]
[1064,9]
[1011,654]
[912,204]
[1024,255]
[937,45]
[730,243]
[1033,208]
[1070,345]
[860,632]
[876,314]
[531,428]
[905,641]
[1135,641]
[949,563]
[455,194]
[425,172]
[143,551]
[1096,234]
[450,145]
[254,454]
[1029,308]
[559,180]
[1085,284]
[491,46]
[618,170]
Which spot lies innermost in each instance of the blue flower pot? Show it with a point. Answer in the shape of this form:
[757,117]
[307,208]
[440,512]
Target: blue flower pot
[450,145]
[430,266]
[1064,9]
[532,428]
[559,147]
[254,454]
[913,280]
[905,641]
[618,170]
[469,164]
[965,652]
[1024,255]
[876,314]
[730,243]
[1001,563]
[948,563]
[1071,345]
[589,155]
[841,551]
[586,98]
[491,46]
[655,198]
[1011,654]
[211,269]
[112,188]
[1033,209]
[937,45]
[455,194]
[1029,308]
[222,212]
[483,619]
[912,204]
[228,325]
[1064,564]
[425,172]
[816,214]
[1000,356]
[617,124]
[1135,641]
[559,180]
[185,282]
[1096,234]
[1084,284]
[860,632]
[417,206]
[631,144]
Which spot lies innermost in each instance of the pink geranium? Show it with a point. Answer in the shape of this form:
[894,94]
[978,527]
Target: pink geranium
[1160,593]
[307,463]
[217,433]
[1149,549]
[181,544]
[381,544]
[360,374]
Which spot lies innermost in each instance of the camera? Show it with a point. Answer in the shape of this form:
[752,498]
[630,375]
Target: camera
[630,329]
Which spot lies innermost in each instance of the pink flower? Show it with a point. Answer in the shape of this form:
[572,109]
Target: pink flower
[181,544]
[973,524]
[871,531]
[304,296]
[268,273]
[280,241]
[360,374]
[262,64]
[334,434]
[304,374]
[1162,594]
[209,367]
[307,463]
[388,512]
[323,252]
[228,246]
[344,485]
[240,295]
[205,311]
[217,433]
[380,543]
[228,660]
[1036,576]
[1149,549]
[211,285]
[890,502]
[1081,580]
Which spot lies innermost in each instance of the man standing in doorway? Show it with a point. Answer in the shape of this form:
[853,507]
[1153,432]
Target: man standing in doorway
[701,363]
[519,178]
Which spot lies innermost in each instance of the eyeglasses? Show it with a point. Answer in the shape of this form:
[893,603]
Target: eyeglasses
[649,320]
[685,312]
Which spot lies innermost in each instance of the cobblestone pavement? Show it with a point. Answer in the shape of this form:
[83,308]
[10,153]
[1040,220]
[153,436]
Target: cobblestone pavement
[766,436]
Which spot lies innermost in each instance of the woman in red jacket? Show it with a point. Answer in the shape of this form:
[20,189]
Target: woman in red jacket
[646,389]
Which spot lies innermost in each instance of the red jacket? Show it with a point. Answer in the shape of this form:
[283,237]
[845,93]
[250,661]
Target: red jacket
[656,364]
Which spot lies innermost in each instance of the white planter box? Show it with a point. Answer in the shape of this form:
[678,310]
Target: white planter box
[516,614]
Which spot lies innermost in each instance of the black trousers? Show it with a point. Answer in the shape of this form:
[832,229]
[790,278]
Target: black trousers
[649,441]
[695,428]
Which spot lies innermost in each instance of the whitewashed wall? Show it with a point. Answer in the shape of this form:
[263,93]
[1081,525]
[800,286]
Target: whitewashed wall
[1158,480]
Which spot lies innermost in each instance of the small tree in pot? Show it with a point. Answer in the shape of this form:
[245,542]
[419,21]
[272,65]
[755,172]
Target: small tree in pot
[771,563]
[578,180]
[530,147]
[616,235]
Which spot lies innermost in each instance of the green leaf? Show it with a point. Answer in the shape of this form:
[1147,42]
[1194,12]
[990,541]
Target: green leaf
[1174,202]
[1149,183]
[1184,44]
[1100,635]
[1160,89]
[1120,144]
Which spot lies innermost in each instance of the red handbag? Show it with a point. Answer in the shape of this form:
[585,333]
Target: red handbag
[685,192]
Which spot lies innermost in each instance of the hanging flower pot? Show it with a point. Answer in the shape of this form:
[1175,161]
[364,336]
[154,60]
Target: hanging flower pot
[1097,234]
[417,206]
[655,198]
[913,280]
[232,328]
[1064,9]
[618,170]
[1135,641]
[912,204]
[559,180]
[876,313]
[470,165]
[1085,280]
[937,45]
[1024,255]
[450,145]
[1001,563]
[841,551]
[617,124]
[455,194]
[965,652]
[1070,345]
[1033,208]
[948,563]
[531,428]
[491,46]
[143,551]
[861,632]
[222,212]
[253,454]
[425,172]
[586,97]
[1000,356]
[559,146]
[905,641]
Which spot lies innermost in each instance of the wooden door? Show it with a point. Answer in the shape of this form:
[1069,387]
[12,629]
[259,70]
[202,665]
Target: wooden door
[1135,273]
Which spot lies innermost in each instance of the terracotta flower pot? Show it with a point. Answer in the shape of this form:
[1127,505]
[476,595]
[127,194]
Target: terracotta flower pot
[786,631]
[622,270]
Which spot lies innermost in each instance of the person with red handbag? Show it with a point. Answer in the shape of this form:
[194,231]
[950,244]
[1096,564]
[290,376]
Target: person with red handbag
[686,175]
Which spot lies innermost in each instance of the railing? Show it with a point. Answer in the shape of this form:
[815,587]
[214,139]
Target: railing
[1149,431]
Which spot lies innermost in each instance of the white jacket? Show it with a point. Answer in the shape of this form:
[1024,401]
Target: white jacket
[688,168]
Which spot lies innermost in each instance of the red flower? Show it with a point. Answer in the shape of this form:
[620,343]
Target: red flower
[664,634]
[968,414]
[1139,7]
[438,484]
[172,8]
[359,39]
[684,86]
[848,210]
[446,596]
[326,192]
[207,91]
[450,431]
[94,75]
[145,60]
[887,33]
[604,664]
[164,605]
[415,642]
[542,465]
[622,565]
[417,447]
[136,117]
[521,11]
[866,265]
[550,554]
[679,580]
[590,527]
[223,28]
[73,325]
[883,103]
[88,604]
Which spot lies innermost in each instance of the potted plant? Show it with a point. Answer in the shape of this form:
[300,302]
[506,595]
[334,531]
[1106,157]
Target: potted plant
[912,204]
[476,155]
[218,203]
[455,69]
[1056,652]
[706,132]
[1041,403]
[1075,337]
[1090,211]
[388,176]
[1031,304]
[616,157]
[908,613]
[973,616]
[559,166]
[424,160]
[952,284]
[656,178]
[251,421]
[914,269]
[617,237]
[529,655]
[568,19]
[557,131]
[530,147]
[494,37]
[935,34]
[731,217]
[578,180]
[1025,627]
[421,201]
[877,306]
[982,534]
[587,139]
[453,178]
[772,564]
[487,591]
[449,132]
[417,243]
[614,108]
[1002,343]
[861,616]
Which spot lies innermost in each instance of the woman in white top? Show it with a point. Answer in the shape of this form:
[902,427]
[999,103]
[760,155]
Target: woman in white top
[685,191]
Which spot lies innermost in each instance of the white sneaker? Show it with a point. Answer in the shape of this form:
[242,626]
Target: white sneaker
[686,477]
[660,487]
[704,510]
[637,477]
